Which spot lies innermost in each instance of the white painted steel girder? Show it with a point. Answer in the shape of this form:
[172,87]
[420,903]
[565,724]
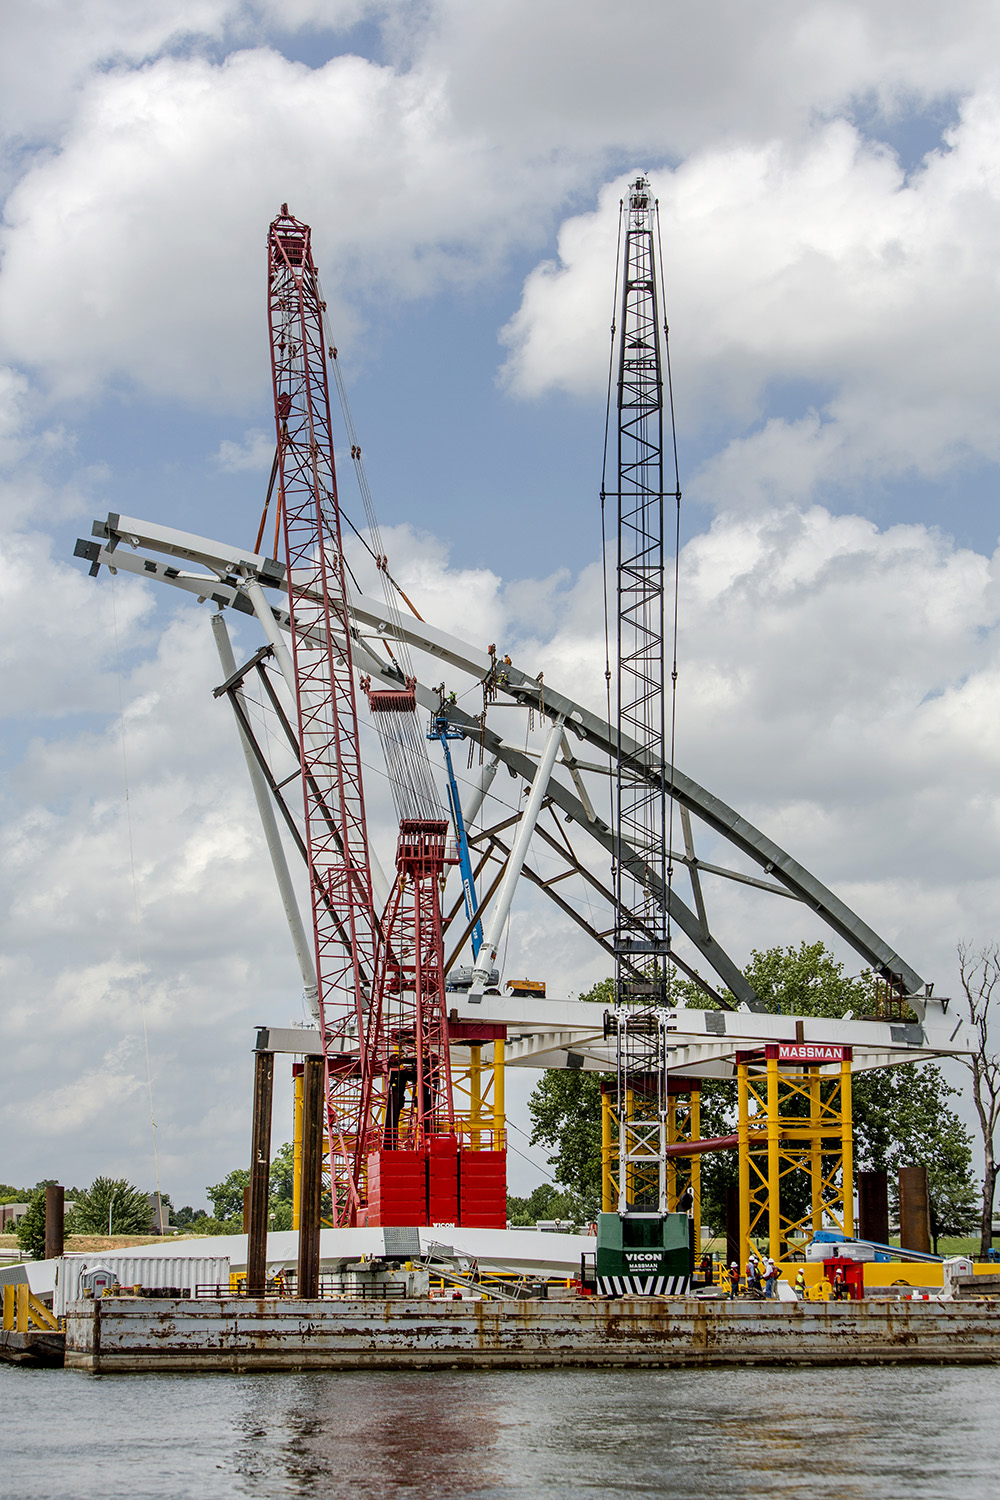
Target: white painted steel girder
[570,1034]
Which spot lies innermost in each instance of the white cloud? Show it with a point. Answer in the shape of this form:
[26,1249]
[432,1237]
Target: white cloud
[821,269]
[550,74]
[256,452]
[135,248]
[138,250]
[57,632]
[53,47]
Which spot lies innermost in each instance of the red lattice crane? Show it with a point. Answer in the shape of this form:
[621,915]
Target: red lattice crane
[395,1150]
[345,924]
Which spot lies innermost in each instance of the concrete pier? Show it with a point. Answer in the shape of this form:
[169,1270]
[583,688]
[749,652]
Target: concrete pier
[247,1334]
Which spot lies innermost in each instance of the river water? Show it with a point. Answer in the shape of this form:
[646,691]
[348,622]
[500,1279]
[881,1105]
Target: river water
[739,1434]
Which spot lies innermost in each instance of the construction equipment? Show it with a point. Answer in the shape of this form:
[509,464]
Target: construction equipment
[443,729]
[645,1233]
[526,989]
[395,1153]
[346,927]
[379,983]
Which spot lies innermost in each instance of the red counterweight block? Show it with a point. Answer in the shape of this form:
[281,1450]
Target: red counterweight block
[442,1163]
[397,1188]
[483,1189]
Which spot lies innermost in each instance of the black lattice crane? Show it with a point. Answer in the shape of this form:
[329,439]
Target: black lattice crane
[646,612]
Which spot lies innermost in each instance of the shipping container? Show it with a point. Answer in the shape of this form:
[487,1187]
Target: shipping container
[186,1272]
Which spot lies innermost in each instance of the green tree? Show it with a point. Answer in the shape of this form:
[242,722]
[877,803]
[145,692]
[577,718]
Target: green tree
[565,1109]
[30,1229]
[226,1197]
[112,1206]
[902,1117]
[205,1224]
[808,981]
[546,1202]
[282,1178]
[186,1216]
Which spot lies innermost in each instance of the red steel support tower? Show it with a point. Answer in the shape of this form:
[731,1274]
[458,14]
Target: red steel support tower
[336,833]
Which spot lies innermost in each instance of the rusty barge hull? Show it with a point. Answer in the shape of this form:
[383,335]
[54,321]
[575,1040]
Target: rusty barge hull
[119,1335]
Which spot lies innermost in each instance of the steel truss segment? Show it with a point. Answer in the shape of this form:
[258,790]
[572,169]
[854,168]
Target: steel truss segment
[711,810]
[370,615]
[410,1099]
[795,1132]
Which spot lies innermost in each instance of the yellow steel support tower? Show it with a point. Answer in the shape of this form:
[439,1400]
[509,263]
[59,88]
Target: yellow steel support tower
[475,1077]
[499,1101]
[609,1151]
[796,1152]
[683,1123]
[477,1074]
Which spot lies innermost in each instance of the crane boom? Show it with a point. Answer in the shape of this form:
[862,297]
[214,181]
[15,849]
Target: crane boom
[333,792]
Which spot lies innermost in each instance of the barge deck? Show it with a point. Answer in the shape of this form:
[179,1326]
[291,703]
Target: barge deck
[128,1334]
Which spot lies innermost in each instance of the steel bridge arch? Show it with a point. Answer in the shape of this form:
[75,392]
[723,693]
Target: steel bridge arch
[229,569]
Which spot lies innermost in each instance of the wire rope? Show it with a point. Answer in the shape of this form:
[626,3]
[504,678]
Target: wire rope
[677,576]
[404,743]
[604,480]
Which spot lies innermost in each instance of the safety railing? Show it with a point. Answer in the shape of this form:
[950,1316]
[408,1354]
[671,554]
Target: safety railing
[22,1311]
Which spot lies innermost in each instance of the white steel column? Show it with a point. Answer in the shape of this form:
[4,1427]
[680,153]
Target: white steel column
[518,853]
[272,836]
[282,655]
[477,795]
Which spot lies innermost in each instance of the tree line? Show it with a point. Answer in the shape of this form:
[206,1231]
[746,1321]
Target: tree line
[114,1206]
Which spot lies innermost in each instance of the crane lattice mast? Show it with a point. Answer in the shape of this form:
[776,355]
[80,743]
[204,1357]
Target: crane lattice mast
[345,924]
[641,821]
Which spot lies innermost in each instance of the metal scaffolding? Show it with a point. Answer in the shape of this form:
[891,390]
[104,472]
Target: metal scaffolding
[796,1154]
[682,1125]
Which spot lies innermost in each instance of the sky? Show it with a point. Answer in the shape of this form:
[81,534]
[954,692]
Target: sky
[830,206]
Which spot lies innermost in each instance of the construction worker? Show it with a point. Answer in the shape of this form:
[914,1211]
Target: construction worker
[734,1280]
[800,1283]
[840,1285]
[770,1277]
[754,1288]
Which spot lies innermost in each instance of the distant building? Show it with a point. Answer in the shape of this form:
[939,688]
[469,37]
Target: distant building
[10,1213]
[161,1214]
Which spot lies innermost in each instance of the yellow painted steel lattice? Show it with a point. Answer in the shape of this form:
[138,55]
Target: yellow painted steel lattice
[795,1133]
[683,1123]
